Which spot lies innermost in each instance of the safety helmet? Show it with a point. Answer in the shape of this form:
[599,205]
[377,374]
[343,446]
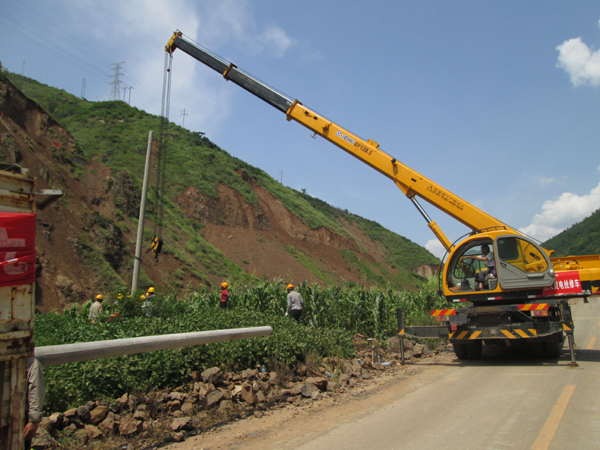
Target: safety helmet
[119,296]
[224,284]
[99,297]
[142,297]
[290,286]
[151,290]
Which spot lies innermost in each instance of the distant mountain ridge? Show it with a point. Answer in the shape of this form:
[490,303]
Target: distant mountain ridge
[583,238]
[225,219]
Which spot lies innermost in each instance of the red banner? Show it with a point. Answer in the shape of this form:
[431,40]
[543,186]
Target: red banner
[17,249]
[567,282]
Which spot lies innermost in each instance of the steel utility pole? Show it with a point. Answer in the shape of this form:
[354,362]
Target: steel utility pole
[140,232]
[183,114]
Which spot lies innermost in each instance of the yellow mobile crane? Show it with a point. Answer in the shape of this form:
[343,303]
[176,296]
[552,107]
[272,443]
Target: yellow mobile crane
[518,293]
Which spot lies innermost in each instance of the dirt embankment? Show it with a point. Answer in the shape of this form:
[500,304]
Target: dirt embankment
[264,239]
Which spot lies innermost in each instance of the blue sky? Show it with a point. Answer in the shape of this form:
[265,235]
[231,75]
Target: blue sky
[499,102]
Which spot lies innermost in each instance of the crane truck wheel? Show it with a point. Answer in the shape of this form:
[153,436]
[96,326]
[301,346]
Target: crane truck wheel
[552,349]
[537,349]
[474,349]
[460,350]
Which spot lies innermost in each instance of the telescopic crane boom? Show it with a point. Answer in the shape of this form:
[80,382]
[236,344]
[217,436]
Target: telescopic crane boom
[410,182]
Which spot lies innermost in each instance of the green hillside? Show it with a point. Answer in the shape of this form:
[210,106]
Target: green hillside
[115,134]
[583,238]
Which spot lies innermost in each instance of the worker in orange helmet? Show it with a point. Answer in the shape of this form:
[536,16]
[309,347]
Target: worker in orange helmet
[295,304]
[96,308]
[224,295]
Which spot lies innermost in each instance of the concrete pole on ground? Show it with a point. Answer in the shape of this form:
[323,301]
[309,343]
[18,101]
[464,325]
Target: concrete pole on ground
[55,355]
[140,232]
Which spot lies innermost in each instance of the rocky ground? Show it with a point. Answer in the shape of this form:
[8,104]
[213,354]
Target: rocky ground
[213,400]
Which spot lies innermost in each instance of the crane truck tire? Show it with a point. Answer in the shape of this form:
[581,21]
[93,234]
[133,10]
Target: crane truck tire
[460,350]
[553,349]
[474,349]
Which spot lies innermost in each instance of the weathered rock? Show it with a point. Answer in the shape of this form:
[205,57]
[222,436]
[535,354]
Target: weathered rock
[347,369]
[214,397]
[129,426]
[319,382]
[332,386]
[70,429]
[225,405]
[109,424]
[173,405]
[274,378]
[81,436]
[247,393]
[344,379]
[178,413]
[258,414]
[356,367]
[140,415]
[178,437]
[315,395]
[98,414]
[70,413]
[248,373]
[177,396]
[93,432]
[260,397]
[90,405]
[196,376]
[212,375]
[43,440]
[308,389]
[297,388]
[301,369]
[55,420]
[365,374]
[187,408]
[181,423]
[286,392]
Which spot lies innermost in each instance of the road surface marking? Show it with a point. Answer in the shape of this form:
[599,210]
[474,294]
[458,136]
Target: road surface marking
[544,439]
[591,343]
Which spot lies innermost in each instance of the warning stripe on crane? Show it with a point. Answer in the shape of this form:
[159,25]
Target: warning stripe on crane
[534,307]
[443,312]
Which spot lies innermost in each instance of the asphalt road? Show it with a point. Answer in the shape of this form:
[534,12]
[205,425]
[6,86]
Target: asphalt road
[506,400]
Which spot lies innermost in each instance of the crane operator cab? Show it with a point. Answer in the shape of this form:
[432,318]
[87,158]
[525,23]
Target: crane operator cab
[498,263]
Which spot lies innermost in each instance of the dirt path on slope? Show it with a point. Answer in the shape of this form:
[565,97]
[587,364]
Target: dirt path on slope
[291,426]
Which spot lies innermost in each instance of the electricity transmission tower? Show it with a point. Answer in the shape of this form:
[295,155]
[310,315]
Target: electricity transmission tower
[183,113]
[115,84]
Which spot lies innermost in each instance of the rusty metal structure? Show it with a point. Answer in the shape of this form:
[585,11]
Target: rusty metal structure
[17,308]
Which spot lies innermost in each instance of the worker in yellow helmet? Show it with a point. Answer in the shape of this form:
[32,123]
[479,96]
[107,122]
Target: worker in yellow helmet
[96,308]
[224,295]
[295,304]
[150,293]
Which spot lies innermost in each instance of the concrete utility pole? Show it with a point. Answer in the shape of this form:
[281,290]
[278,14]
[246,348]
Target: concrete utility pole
[281,174]
[83,82]
[140,232]
[54,355]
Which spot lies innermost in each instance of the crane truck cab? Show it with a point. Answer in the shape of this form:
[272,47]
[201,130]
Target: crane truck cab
[521,269]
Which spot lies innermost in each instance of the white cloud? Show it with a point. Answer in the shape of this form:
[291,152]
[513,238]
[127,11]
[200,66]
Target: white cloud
[436,248]
[546,180]
[561,213]
[580,62]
